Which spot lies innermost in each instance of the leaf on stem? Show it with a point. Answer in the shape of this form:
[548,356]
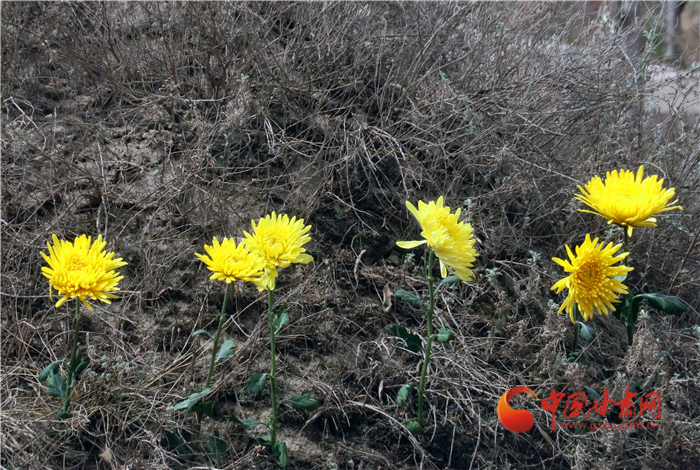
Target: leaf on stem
[587,332]
[448,280]
[304,403]
[64,412]
[404,392]
[281,319]
[201,332]
[666,303]
[191,401]
[412,340]
[409,298]
[413,426]
[51,368]
[593,394]
[203,408]
[226,350]
[56,385]
[279,452]
[257,383]
[82,365]
[444,335]
[216,448]
[175,443]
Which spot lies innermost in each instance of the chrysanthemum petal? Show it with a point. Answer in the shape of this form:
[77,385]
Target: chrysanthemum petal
[229,261]
[304,258]
[411,244]
[81,269]
[451,240]
[627,199]
[277,240]
[594,282]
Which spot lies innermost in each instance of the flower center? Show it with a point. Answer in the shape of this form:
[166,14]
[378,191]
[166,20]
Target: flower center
[76,264]
[274,245]
[231,260]
[590,276]
[443,226]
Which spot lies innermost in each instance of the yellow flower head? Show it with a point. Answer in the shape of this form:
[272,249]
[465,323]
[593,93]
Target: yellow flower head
[80,270]
[278,242]
[230,262]
[592,282]
[627,200]
[451,240]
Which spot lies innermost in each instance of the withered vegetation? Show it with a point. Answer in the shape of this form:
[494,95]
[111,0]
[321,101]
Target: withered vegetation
[161,125]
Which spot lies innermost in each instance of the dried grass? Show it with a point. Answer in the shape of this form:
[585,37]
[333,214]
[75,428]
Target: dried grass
[160,125]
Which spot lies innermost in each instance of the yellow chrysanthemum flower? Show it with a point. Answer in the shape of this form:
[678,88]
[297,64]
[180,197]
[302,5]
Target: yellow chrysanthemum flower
[627,200]
[230,262]
[81,270]
[278,241]
[451,240]
[592,282]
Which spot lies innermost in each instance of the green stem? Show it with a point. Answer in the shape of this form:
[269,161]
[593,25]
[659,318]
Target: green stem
[73,361]
[429,341]
[273,384]
[630,332]
[218,335]
[632,319]
[577,327]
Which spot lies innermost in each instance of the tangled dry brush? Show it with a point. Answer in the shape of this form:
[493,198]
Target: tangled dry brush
[161,125]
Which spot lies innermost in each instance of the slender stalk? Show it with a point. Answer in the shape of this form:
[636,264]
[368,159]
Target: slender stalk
[577,327]
[429,341]
[73,361]
[630,332]
[218,335]
[632,320]
[273,384]
[626,242]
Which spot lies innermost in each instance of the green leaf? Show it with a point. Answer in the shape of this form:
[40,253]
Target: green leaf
[413,426]
[593,394]
[666,303]
[412,340]
[281,320]
[257,383]
[64,412]
[82,365]
[189,403]
[201,332]
[51,368]
[203,408]
[444,335]
[226,350]
[409,298]
[628,310]
[618,308]
[279,452]
[586,332]
[404,392]
[216,448]
[449,280]
[175,443]
[304,403]
[56,386]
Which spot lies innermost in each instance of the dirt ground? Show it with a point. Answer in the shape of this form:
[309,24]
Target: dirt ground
[162,125]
